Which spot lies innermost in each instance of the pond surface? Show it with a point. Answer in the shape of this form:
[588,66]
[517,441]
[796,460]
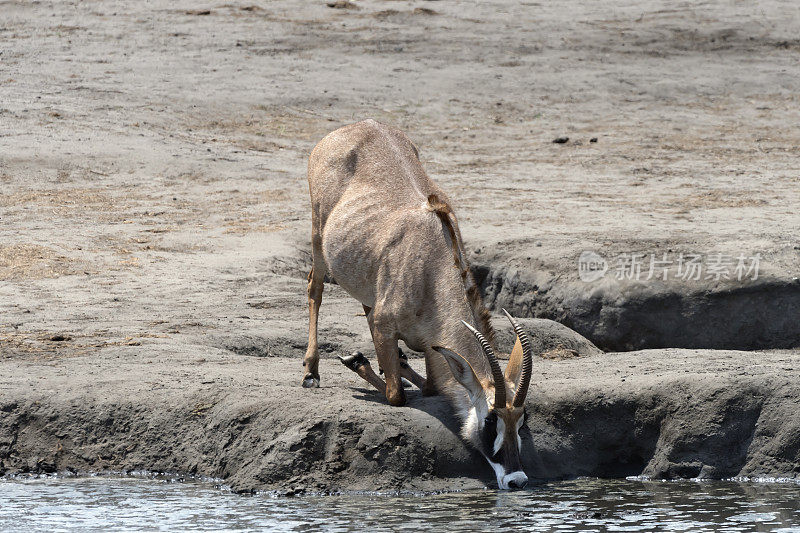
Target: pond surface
[124,504]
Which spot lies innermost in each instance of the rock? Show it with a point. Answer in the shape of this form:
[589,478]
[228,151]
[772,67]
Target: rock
[560,140]
[342,4]
[549,338]
[295,491]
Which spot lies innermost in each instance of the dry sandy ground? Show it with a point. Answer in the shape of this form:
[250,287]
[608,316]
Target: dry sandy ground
[152,165]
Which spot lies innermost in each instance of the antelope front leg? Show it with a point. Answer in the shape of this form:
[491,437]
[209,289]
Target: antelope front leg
[385,340]
[360,365]
[405,370]
[429,389]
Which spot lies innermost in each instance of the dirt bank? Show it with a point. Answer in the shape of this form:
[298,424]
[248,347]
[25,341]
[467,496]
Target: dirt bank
[663,413]
[623,314]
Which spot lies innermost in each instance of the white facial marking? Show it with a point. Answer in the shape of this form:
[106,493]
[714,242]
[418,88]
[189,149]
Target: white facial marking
[474,416]
[501,429]
[473,420]
[499,473]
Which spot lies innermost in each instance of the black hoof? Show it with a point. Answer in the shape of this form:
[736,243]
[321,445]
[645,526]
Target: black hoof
[310,382]
[354,361]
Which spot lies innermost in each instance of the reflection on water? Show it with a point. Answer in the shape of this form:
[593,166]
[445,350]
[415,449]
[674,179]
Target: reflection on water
[114,504]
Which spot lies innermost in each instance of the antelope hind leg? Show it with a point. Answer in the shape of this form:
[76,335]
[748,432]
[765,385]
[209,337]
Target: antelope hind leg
[316,280]
[408,373]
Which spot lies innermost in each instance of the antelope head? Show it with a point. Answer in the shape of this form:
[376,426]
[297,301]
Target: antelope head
[495,417]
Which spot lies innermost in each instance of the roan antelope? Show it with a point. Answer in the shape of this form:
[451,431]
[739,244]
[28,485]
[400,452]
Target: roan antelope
[386,233]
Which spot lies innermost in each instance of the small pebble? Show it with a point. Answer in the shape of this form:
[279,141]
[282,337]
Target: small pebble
[560,140]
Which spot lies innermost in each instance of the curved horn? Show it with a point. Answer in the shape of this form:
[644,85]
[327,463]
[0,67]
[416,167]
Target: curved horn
[527,362]
[499,380]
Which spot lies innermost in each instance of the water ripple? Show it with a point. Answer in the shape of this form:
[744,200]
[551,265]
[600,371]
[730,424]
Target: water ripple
[136,503]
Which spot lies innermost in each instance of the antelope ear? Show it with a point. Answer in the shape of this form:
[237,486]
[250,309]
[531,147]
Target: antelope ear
[462,371]
[514,367]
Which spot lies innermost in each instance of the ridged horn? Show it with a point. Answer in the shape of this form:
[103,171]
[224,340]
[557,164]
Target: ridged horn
[499,380]
[527,362]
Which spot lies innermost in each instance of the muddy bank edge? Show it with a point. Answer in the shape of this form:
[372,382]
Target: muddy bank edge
[660,413]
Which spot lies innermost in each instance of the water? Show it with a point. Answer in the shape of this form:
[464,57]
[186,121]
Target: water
[124,504]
